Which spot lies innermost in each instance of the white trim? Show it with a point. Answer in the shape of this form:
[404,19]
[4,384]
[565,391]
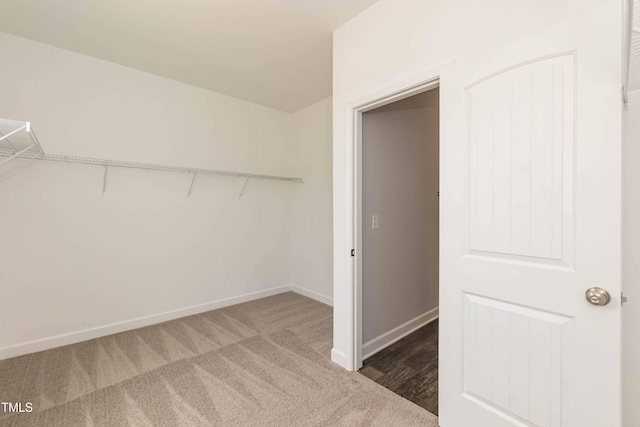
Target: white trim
[338,357]
[126,325]
[396,334]
[353,191]
[396,92]
[312,294]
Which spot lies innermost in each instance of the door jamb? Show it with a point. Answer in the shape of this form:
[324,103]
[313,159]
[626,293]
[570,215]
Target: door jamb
[354,112]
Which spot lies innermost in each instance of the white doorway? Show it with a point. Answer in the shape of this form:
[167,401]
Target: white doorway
[399,224]
[380,335]
[400,247]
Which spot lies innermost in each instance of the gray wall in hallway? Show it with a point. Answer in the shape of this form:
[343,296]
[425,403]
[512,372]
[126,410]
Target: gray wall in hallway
[400,184]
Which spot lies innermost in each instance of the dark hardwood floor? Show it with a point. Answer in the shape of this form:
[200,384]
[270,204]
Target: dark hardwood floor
[409,367]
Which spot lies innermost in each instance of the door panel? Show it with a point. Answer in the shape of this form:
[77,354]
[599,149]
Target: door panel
[520,138]
[515,360]
[530,219]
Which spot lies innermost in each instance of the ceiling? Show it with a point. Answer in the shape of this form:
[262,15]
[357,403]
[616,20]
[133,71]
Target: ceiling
[275,53]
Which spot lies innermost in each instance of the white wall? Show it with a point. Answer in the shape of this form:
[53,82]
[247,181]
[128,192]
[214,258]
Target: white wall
[396,40]
[73,259]
[400,160]
[311,215]
[631,267]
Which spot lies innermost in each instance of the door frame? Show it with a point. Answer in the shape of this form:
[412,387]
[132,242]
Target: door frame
[354,110]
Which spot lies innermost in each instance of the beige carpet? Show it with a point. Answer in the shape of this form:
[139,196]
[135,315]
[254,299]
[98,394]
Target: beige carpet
[262,363]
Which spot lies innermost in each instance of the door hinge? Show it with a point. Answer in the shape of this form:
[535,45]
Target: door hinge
[353,252]
[623,299]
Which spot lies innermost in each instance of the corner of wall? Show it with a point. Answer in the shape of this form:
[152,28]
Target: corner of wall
[310,213]
[325,299]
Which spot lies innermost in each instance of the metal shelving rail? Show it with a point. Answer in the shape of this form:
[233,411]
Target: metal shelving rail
[24,144]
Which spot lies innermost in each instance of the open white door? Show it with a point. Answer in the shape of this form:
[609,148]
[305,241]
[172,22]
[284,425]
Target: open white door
[530,219]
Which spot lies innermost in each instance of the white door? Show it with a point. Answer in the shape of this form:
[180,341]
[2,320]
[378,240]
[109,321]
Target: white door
[530,219]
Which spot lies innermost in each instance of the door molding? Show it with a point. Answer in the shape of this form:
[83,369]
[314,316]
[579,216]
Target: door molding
[353,137]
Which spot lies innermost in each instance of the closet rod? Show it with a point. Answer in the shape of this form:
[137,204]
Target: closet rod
[147,166]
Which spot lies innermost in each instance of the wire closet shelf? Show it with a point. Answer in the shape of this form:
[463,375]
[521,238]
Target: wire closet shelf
[19,141]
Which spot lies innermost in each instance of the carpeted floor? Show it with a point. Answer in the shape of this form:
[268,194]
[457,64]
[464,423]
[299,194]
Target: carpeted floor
[262,363]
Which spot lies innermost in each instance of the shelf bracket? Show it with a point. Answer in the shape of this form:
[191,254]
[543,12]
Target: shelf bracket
[13,132]
[34,139]
[5,139]
[243,187]
[16,149]
[104,182]
[195,174]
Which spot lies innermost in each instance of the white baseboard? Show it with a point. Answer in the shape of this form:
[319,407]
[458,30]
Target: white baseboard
[126,325]
[339,358]
[114,328]
[385,340]
[312,294]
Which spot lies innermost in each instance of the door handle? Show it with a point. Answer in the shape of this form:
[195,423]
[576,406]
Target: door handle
[597,296]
